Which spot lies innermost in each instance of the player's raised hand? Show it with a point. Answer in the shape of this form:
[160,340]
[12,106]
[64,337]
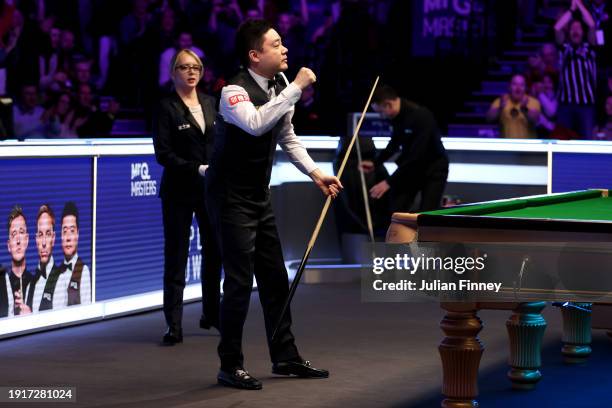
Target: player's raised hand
[304,78]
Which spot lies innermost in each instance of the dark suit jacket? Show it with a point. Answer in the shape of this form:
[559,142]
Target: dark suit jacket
[416,133]
[180,146]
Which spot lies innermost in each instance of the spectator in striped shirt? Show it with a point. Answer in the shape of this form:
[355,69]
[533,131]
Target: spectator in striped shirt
[577,80]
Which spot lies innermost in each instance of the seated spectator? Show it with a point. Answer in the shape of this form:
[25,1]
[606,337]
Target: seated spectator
[604,132]
[211,83]
[81,74]
[27,114]
[15,56]
[225,17]
[545,62]
[547,96]
[516,112]
[253,14]
[48,58]
[165,34]
[550,59]
[58,83]
[54,118]
[293,34]
[86,120]
[133,26]
[577,79]
[66,51]
[185,41]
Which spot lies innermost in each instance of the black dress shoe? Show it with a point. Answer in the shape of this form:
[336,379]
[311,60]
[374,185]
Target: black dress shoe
[207,324]
[300,368]
[172,337]
[238,378]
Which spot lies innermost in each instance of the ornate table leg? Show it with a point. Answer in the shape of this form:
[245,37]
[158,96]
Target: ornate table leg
[576,333]
[460,352]
[525,330]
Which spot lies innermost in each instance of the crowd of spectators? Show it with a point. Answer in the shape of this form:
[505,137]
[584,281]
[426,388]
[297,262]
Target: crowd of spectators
[72,65]
[571,81]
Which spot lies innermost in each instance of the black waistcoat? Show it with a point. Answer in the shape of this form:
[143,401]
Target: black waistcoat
[242,161]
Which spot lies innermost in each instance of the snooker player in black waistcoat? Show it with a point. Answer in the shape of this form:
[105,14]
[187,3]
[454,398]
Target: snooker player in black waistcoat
[254,115]
[183,132]
[16,281]
[41,294]
[422,165]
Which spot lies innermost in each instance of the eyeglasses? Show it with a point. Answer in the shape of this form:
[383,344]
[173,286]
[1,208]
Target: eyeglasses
[187,67]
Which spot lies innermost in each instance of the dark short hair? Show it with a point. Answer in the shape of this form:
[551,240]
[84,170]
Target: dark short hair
[384,93]
[46,209]
[16,212]
[250,37]
[70,208]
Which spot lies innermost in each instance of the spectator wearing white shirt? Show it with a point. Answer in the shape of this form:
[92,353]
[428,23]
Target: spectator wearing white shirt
[547,96]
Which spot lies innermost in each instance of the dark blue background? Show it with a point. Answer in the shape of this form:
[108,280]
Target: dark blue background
[129,245]
[580,171]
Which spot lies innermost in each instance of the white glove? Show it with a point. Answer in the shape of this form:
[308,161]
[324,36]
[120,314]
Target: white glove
[202,169]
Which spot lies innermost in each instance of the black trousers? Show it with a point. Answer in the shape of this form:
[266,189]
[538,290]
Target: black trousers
[431,186]
[246,230]
[177,218]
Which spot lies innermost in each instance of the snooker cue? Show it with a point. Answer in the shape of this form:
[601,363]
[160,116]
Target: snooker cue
[315,233]
[364,192]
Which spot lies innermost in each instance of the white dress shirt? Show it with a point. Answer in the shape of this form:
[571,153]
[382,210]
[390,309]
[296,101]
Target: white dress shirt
[198,115]
[236,109]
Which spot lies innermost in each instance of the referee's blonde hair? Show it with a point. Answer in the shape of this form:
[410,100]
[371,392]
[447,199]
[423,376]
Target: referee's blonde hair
[175,58]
